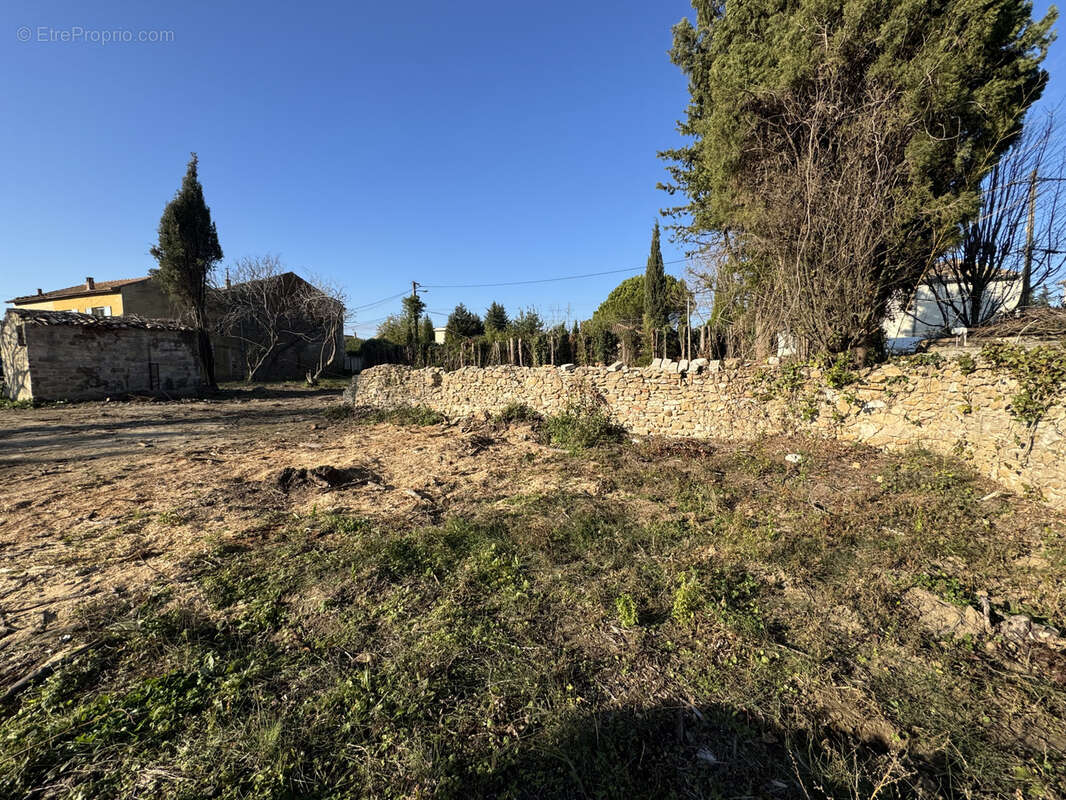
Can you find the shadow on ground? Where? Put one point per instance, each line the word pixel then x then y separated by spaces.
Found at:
pixel 709 751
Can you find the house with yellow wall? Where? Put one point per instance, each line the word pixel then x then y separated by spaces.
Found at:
pixel 139 297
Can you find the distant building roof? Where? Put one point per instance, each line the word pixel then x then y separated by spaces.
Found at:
pixel 89 288
pixel 36 317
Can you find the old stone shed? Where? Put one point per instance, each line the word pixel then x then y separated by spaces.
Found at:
pixel 61 355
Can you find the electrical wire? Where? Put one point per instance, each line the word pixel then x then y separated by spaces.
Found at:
pixel 541 280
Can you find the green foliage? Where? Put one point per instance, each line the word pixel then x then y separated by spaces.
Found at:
pixel 517 412
pixel 428 335
pixel 948 85
pixel 526 324
pixel 187 252
pixel 924 360
pixel 402 415
pixel 413 306
pixel 656 311
pixel 582 424
pixel 838 374
pixel 496 320
pixel 946 586
pixel 393 329
pixel 564 351
pixel 689 599
pixel 966 364
pixel 381 350
pixel 463 324
pixel 1040 373
pixel 626 607
pixel 6 402
pixel 625 303
pixel 986 73
pixel 188 247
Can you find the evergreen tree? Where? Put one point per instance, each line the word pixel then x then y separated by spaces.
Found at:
pixel 526 324
pixel 429 336
pixel 656 307
pixel 187 252
pixel 393 329
pixel 496 320
pixel 564 353
pixel 463 324
pixel 413 306
pixel 881 119
pixel 625 303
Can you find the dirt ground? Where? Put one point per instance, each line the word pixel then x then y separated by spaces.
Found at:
pixel 98 499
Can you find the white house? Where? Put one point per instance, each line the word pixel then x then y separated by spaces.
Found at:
pixel 930 311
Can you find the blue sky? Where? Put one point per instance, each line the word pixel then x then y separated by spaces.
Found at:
pixel 373 145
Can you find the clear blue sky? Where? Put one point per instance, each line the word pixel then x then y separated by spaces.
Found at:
pixel 448 143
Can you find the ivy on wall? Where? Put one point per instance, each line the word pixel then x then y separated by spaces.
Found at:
pixel 1041 376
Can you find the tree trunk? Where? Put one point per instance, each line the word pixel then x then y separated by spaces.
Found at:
pixel 977 298
pixel 207 357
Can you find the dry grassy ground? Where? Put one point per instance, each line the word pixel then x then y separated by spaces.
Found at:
pixel 265 597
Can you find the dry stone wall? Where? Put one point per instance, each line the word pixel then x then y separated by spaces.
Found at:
pixel 940 408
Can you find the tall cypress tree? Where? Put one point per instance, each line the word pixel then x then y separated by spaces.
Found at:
pixel 187 252
pixel 656 310
pixel 413 306
pixel 428 334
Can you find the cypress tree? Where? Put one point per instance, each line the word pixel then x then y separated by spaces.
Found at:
pixel 187 253
pixel 413 306
pixel 429 335
pixel 656 307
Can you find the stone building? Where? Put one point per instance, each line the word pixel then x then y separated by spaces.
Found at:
pixel 146 299
pixel 63 355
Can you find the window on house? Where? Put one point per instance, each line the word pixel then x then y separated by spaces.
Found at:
pixel 98 311
pixel 20 335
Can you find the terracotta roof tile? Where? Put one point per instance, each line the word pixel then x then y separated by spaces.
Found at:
pixel 101 287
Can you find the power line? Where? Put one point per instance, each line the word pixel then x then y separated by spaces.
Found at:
pixel 378 302
pixel 541 280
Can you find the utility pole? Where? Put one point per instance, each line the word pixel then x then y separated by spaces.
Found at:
pixel 1027 271
pixel 688 327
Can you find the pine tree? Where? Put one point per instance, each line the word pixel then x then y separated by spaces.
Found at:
pixel 656 306
pixel 496 320
pixel 464 324
pixel 187 252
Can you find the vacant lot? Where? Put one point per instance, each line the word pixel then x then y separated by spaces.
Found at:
pixel 263 596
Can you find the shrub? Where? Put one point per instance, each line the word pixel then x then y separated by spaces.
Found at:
pixel 517 412
pixel 688 598
pixel 582 424
pixel 401 415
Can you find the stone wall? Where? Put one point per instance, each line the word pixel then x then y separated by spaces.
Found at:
pixel 64 356
pixel 893 406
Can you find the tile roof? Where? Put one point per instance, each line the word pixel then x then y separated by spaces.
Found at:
pixel 100 287
pixel 37 317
